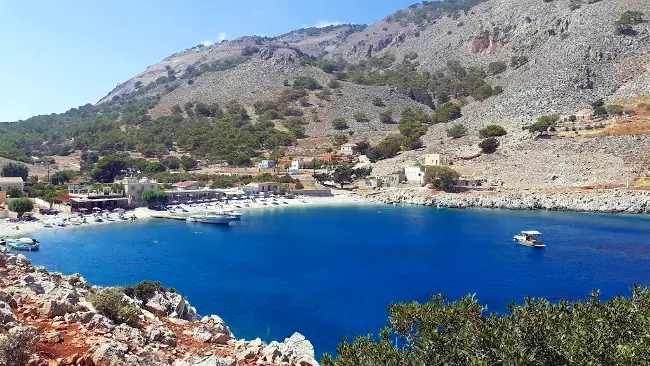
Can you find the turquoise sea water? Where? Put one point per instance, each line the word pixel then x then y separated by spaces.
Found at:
pixel 329 272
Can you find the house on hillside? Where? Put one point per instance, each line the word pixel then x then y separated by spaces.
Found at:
pixel 414 175
pixel 11 182
pixel 186 185
pixel 254 188
pixel 434 160
pixel 348 149
pixel 266 164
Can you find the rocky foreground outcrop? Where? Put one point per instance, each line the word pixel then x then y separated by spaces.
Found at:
pixel 604 201
pixel 71 331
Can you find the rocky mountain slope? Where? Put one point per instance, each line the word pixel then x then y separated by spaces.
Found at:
pixel 49 319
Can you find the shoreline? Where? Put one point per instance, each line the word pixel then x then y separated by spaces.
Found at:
pixel 7 229
pixel 610 201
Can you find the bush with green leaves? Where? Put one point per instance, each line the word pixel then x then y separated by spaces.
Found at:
pixel 496 67
pixel 111 303
pixel 15 170
pixel 456 131
pixel 333 84
pixel 377 102
pixel 305 83
pixel 447 112
pixel 533 333
pixel 17 346
pixel 21 205
pixel 361 116
pixel 440 177
pixel 626 22
pixel 339 124
pixel 615 109
pixel 544 123
pixel 385 149
pixel 386 116
pixel 492 131
pixel 143 290
pixel 489 145
pixel 339 139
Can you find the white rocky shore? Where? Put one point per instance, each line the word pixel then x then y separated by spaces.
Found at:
pixel 604 201
pixel 47 318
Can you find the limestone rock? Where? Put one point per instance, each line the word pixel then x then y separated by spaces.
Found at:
pixel 6 316
pixel 171 304
pixel 108 354
pixel 215 361
pixel 6 298
pixel 212 330
pixel 125 333
pixel 54 307
pixel 161 335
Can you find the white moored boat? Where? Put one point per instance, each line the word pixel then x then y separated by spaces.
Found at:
pixel 27 244
pixel 211 218
pixel 530 239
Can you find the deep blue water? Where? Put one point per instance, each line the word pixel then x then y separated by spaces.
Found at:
pixel 331 272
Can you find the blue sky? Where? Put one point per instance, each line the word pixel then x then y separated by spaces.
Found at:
pixel 61 54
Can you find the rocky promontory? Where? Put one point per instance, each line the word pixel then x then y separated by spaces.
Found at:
pixel 604 201
pixel 47 318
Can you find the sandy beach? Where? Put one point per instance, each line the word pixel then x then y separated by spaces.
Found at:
pixel 20 229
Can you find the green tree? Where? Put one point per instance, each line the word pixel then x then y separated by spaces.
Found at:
pixel 440 177
pixel 321 178
pixel 363 147
pixel 339 124
pixel 172 162
pixel 176 109
pixel 62 177
pixel 342 175
pixel 385 149
pixel 155 167
pixel 108 167
pixel 386 116
pixel 15 170
pixel 489 145
pixel 534 332
pixel 544 123
pixel 339 139
pixel 111 303
pixel 456 131
pixel 492 131
pixel 305 82
pixel 239 159
pixel 188 162
pixel 447 112
pixel 615 109
pixel 14 192
pixel 150 197
pixel 21 205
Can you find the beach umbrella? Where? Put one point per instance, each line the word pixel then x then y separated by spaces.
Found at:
pixel 175 202
pixel 96 209
pixel 83 209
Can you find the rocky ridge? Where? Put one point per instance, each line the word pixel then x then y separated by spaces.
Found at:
pixel 602 201
pixel 70 331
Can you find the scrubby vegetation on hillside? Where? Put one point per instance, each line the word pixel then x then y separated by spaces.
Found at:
pixel 443 332
pixel 431 89
pixel 429 11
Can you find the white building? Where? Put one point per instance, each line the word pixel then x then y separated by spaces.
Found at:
pixel 348 149
pixel 433 160
pixel 414 174
pixel 11 182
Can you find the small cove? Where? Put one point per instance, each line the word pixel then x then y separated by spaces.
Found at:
pixel 328 272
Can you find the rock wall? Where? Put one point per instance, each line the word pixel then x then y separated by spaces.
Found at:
pixel 605 201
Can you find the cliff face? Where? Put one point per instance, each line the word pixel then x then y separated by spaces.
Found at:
pixel 48 318
pixel 573 50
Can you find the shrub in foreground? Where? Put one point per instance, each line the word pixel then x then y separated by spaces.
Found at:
pixel 17 346
pixel 492 131
pixel 443 332
pixel 111 303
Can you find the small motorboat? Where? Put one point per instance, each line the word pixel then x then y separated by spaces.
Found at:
pixel 211 218
pixel 98 219
pixel 440 206
pixel 26 244
pixel 529 238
